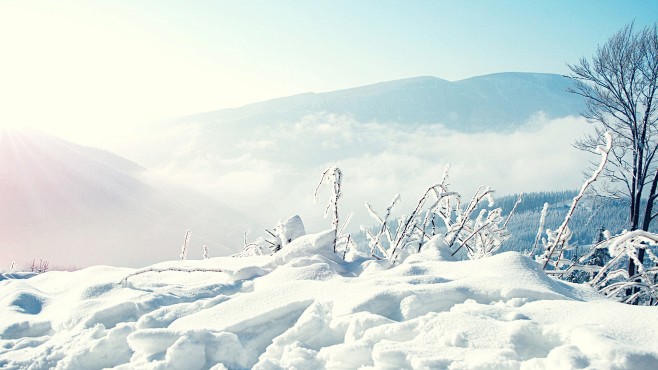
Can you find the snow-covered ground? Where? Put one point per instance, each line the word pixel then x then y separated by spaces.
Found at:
pixel 305 308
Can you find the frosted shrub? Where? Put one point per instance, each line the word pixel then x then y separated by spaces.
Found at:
pixel 258 247
pixel 40 267
pixel 485 240
pixel 555 243
pixel 613 279
pixel 440 209
pixel 278 237
pixel 438 214
pixel 608 274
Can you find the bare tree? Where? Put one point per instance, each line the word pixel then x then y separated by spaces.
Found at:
pixel 620 85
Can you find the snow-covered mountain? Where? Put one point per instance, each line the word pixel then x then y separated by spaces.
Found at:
pixel 74 205
pixel 494 103
pixel 500 130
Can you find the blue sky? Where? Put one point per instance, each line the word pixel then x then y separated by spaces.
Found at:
pixel 69 63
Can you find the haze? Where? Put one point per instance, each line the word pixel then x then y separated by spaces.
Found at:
pixel 92 71
pixel 112 75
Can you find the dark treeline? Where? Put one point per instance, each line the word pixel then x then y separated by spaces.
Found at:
pixel 591 214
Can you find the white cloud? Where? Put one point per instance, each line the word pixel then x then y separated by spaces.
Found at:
pixel 273 173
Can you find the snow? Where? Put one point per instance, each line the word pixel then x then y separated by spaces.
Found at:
pixel 293 228
pixel 306 308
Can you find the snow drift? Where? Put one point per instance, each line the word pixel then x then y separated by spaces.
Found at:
pixel 305 308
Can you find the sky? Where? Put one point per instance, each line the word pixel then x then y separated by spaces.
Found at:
pixel 94 69
pixel 102 73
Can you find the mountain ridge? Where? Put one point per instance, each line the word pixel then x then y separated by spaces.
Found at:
pixel 493 102
pixel 387 133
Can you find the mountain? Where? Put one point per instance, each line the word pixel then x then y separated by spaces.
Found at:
pixel 495 102
pixel 338 125
pixel 388 138
pixel 73 206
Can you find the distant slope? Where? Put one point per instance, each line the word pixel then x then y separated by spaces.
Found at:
pixel 496 102
pixel 74 205
pixel 591 214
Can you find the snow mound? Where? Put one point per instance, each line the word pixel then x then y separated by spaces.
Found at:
pixel 308 245
pixel 305 308
pixel 293 228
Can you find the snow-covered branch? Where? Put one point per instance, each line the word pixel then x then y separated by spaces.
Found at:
pixel 166 269
pixel 333 176
pixel 613 279
pixel 559 239
pixel 185 247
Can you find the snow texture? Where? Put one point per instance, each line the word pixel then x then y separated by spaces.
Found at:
pixel 305 308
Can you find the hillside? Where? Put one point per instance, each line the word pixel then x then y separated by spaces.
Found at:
pixel 75 206
pixel 592 214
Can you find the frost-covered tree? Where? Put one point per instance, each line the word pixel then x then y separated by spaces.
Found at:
pixel 599 256
pixel 620 85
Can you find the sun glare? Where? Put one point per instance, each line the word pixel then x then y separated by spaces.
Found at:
pixel 9 125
